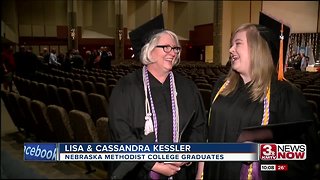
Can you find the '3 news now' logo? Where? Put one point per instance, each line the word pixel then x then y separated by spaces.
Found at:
pixel 283 151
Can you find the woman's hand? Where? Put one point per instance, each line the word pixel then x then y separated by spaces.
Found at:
pixel 199 175
pixel 168 169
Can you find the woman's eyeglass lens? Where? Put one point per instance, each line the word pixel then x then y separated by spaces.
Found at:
pixel 167 49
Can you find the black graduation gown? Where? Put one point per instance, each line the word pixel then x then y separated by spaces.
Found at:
pixel 230 114
pixel 127 119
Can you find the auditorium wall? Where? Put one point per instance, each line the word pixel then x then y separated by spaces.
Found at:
pixel 35 18
pixel 301 16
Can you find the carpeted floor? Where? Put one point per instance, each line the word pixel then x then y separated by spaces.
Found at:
pixel 14 167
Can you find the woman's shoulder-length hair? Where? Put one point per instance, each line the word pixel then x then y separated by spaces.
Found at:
pixel 153 42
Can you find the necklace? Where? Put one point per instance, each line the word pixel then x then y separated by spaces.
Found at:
pixel 151 124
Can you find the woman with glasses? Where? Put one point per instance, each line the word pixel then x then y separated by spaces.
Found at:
pixel 154 104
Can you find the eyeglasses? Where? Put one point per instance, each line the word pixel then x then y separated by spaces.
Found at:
pixel 167 49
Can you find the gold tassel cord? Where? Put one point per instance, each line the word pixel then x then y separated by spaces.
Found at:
pixel 280 70
pixel 250 172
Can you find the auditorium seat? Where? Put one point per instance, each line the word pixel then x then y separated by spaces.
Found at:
pixel 31 124
pixel 69 83
pixel 83 126
pixel 65 98
pixel 118 76
pixel 204 86
pixel 110 88
pixel 17 82
pixel 61 82
pixel 84 130
pixel 54 80
pixel 96 74
pixel 43 92
pixel 43 77
pixel 39 110
pixel 103 90
pixel 104 75
pixel 200 80
pixel 99 106
pixel 212 80
pixel 311 90
pixel 84 77
pixel 111 81
pixel 89 87
pixel 61 126
pixel 315 98
pixel 206 97
pixel 34 90
pixel 78 85
pixel 103 130
pixel 313 86
pixel 90 73
pixel 101 80
pixel 71 75
pixel 92 79
pixel 77 76
pixel 80 101
pixel 13 109
pixel 302 83
pixel 298 86
pixel 25 87
pixel 53 96
pixel 313 105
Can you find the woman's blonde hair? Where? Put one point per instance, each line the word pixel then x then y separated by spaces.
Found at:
pixel 262 67
pixel 153 42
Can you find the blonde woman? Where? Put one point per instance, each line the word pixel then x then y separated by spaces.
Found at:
pixel 251 95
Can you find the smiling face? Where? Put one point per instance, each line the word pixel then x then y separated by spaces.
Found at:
pixel 240 55
pixel 163 61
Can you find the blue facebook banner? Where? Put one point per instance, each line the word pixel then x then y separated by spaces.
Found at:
pixel 40 151
pixel 158 148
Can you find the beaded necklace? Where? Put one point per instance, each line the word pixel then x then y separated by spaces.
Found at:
pixel 151 124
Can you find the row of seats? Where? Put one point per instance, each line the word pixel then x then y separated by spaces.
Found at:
pixel 51 123
pixel 205 82
pixel 199 74
pixel 102 88
pixel 203 75
pixel 192 72
pixel 52 94
pixel 204 86
pixel 64 97
pixel 55 77
pixel 114 73
pixel 83 84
